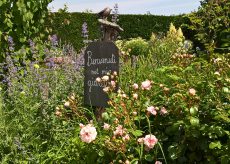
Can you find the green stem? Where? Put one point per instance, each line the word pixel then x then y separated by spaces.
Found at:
pixel 162 152
pixel 148 124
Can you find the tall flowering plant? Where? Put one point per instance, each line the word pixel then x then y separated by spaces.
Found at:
pixel 115 14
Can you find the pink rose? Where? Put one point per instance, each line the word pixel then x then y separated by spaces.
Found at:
pixel 126 137
pixel 119 130
pixel 135 96
pixel 135 86
pixel 146 85
pixel 106 126
pixel 81 125
pixel 113 84
pixel 163 110
pixel 115 73
pixel 150 141
pixel 127 162
pixel 98 79
pixel 152 110
pixel 106 89
pixel 105 78
pixel 192 91
pixel 88 133
pixel 158 162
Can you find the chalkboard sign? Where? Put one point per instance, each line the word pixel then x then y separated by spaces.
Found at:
pixel 100 58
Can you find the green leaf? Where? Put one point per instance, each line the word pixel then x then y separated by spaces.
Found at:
pixel 225 90
pixel 214 145
pixel 105 116
pixel 225 160
pixel 2 2
pixel 137 133
pixel 101 153
pixel 149 158
pixel 22 39
pixel 193 111
pixel 174 151
pixel 134 161
pixel 194 121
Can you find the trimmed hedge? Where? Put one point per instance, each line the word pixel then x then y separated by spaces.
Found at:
pixel 68 26
pixel 144 25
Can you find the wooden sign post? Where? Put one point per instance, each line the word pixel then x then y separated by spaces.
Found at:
pixel 100 58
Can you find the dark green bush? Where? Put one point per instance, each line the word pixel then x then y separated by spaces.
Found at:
pixel 210 25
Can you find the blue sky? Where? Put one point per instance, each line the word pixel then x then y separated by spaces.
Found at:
pixel 156 7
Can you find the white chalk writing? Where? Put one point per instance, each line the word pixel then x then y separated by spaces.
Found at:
pixel 98 61
pixel 93 83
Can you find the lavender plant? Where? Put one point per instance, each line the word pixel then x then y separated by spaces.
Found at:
pixel 33 92
pixel 115 14
pixel 85 33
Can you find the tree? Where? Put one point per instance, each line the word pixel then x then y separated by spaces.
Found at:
pixel 209 23
pixel 21 20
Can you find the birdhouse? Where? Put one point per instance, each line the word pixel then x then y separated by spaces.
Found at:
pixel 110 30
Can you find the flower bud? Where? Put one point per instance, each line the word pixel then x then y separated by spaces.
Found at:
pixel 192 91
pixel 105 78
pixel 134 113
pixel 106 89
pixel 166 89
pixel 135 96
pixel 98 79
pixel 115 73
pixel 67 104
pixel 72 97
pixel 58 113
pixel 135 86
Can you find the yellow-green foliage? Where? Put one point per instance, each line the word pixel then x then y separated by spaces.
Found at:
pixel 174 34
pixel 136 47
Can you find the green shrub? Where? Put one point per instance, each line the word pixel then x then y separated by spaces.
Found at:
pixel 136 47
pixel 194 93
pixel 164 48
pixel 210 25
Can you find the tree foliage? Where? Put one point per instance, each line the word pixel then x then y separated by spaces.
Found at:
pixel 211 24
pixel 21 20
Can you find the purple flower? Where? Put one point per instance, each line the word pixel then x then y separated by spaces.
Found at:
pixel 79 62
pixel 11 43
pixel 32 46
pixel 54 40
pixel 115 13
pixel 31 43
pixel 85 32
pixel 50 63
pixel 10 40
